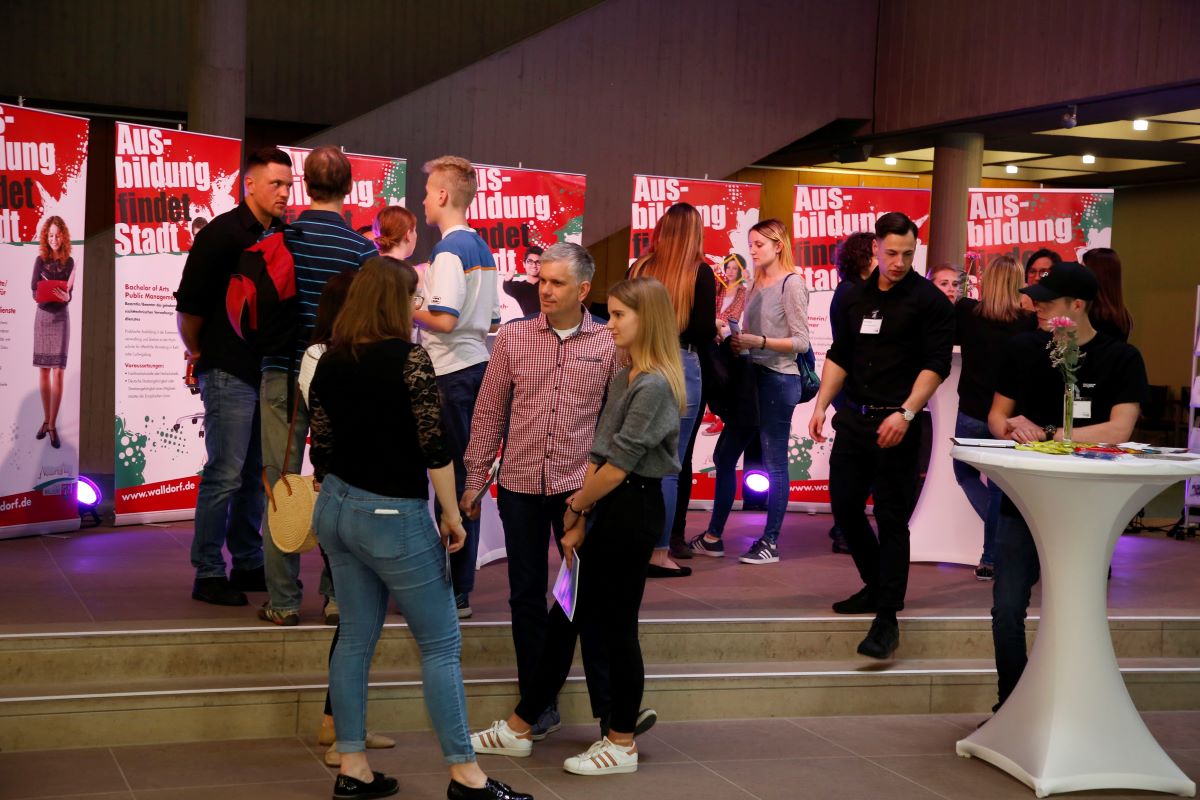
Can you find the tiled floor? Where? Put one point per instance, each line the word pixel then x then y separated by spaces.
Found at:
pixel 140 577
pixel 827 758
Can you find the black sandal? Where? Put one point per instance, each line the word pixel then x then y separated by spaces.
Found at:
pixel 54 442
pixel 41 434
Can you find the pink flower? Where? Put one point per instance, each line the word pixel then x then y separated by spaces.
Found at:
pixel 1058 323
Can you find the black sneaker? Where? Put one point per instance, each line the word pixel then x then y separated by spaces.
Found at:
pixel 218 592
pixel 761 552
pixel 840 545
pixel 645 721
pixel 985 572
pixel 861 602
pixel 248 580
pixel 492 790
pixel 704 547
pixel 882 640
pixel 462 605
pixel 549 722
pixel 381 786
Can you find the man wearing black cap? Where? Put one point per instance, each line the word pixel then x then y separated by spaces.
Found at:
pixel 1028 407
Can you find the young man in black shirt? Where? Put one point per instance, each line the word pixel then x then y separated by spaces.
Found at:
pixel 230 501
pixel 892 337
pixel 1028 407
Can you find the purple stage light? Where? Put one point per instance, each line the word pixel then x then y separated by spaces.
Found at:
pixel 757 481
pixel 87 492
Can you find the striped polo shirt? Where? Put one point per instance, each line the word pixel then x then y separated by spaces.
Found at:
pixel 322 245
pixel 461 281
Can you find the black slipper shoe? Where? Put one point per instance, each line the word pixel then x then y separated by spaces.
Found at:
pixel 347 788
pixel 655 571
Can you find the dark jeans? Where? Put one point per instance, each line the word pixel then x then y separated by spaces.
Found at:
pixel 622 533
pixel 529 520
pixel 860 468
pixel 230 501
pixel 1017 570
pixel 683 492
pixel 984 498
pixel 459 390
pixel 778 396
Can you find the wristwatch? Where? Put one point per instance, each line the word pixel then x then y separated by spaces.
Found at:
pixel 909 416
pixel 1050 430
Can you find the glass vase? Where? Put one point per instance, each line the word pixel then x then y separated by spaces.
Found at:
pixel 1068 412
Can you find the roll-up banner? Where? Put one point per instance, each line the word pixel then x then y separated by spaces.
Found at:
pixel 377 182
pixel 43 182
pixel 170 183
pixel 515 209
pixel 822 218
pixel 1019 221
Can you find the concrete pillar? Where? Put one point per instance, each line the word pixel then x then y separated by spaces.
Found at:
pixel 957 166
pixel 217 83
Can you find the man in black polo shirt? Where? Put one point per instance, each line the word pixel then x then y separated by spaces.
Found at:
pixel 230 501
pixel 1028 407
pixel 892 337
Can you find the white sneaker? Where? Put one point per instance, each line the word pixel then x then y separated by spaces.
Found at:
pixel 603 758
pixel 501 740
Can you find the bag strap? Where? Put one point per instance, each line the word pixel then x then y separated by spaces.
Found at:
pixel 287 454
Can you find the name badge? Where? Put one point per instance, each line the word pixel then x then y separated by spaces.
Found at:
pixel 872 326
pixel 1082 409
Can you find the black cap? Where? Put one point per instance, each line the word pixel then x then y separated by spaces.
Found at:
pixel 1067 279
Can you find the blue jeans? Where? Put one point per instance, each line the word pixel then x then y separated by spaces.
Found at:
pixel 778 395
pixel 379 546
pixel 459 390
pixel 1017 570
pixel 687 423
pixel 985 499
pixel 230 501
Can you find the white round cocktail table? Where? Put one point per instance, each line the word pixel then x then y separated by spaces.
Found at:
pixel 1069 725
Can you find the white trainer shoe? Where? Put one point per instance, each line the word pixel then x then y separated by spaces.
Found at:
pixel 603 758
pixel 501 740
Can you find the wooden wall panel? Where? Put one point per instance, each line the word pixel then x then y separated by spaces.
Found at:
pixel 944 60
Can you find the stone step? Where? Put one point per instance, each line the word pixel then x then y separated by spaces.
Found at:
pixel 78 659
pixel 52 716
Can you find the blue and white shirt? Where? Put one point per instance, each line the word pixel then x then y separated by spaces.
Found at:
pixel 461 280
pixel 322 246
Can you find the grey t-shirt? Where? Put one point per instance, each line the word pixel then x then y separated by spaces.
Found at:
pixel 639 426
pixel 780 311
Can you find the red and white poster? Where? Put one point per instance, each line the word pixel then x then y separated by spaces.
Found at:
pixel 728 210
pixel 1019 221
pixel 515 209
pixel 378 182
pixel 43 182
pixel 170 183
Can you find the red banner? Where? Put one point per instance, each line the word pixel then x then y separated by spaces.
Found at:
pixel 378 182
pixel 1019 221
pixel 517 208
pixel 728 210
pixel 43 182
pixel 170 183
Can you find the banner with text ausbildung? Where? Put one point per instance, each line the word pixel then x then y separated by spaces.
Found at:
pixel 377 182
pixel 43 183
pixel 170 184
pixel 728 210
pixel 1019 221
pixel 515 209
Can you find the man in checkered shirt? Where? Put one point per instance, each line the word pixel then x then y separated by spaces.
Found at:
pixel 541 397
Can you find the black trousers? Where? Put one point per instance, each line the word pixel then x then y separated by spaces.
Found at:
pixel 529 521
pixel 859 468
pixel 622 533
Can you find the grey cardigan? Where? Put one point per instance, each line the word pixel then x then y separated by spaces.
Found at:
pixel 779 311
pixel 638 430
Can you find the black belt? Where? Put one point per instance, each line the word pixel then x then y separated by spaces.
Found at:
pixel 872 411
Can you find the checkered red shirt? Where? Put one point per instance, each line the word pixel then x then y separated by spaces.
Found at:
pixel 547 394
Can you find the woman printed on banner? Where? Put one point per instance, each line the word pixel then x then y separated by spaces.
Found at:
pixel 53 284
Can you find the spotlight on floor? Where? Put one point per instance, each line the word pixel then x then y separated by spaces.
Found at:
pixel 88 496
pixel 755 486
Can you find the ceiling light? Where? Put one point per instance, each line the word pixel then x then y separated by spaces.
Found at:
pixel 1089 159
pixel 1141 124
pixel 1011 169
pixel 890 161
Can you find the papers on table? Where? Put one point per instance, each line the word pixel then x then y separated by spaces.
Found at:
pixel 566 586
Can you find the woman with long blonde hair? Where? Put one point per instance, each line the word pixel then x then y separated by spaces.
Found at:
pixel 775 329
pixel 377 445
pixel 676 260
pixel 981 328
pixel 612 525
